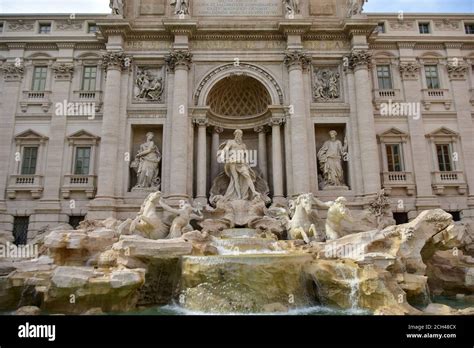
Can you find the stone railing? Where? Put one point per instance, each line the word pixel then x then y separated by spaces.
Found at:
pixel 79 183
pixel 89 97
pixel 398 180
pixel 386 95
pixel 442 180
pixel 40 99
pixel 25 183
pixel 433 96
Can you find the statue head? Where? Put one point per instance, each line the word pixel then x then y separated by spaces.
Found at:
pixel 150 136
pixel 333 134
pixel 238 134
pixel 341 200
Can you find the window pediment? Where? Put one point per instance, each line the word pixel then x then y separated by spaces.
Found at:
pixel 443 134
pixel 83 137
pixel 393 134
pixel 30 136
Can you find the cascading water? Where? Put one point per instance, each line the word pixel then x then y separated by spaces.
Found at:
pixel 250 275
pixel 351 278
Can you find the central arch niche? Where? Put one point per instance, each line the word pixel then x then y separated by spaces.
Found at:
pixel 238 96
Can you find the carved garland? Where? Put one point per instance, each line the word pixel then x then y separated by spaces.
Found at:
pixel 216 71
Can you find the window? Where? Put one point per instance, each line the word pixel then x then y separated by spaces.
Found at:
pixel 92 28
pixel 28 163
pixel 82 160
pixel 45 28
pixel 1 27
pixel 39 78
pixel 74 221
pixel 380 28
pixel 432 79
pixel 456 215
pixel 20 229
pixel 384 76
pixel 394 157
pixel 443 152
pixel 469 28
pixel 400 218
pixel 89 78
pixel 424 28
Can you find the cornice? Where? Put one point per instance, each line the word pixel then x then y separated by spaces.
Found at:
pixel 294 27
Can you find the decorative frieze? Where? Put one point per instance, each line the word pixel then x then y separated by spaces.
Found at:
pixel 68 25
pixel 409 70
pixel 20 25
pixel 13 71
pixel 402 25
pixel 63 71
pixel 149 84
pixel 116 60
pixel 446 24
pixel 297 58
pixel 457 69
pixel 326 84
pixel 179 58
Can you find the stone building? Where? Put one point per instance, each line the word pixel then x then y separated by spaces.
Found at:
pixel 79 95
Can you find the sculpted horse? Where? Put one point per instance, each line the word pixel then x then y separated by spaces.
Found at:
pixel 148 224
pixel 301 225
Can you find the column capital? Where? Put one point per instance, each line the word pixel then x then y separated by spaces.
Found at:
pixel 200 121
pixel 218 130
pixel 358 58
pixel 63 71
pixel 179 58
pixel 116 60
pixel 276 121
pixel 457 69
pixel 261 129
pixel 297 59
pixel 409 70
pixel 13 71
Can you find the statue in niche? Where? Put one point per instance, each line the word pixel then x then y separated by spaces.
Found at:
pixel 326 85
pixel 292 7
pixel 355 7
pixel 238 177
pixel 337 213
pixel 182 222
pixel 330 157
pixel 149 87
pixel 147 165
pixel 181 7
pixel 117 7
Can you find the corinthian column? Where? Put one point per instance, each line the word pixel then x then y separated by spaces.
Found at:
pixel 359 61
pixel 296 61
pixel 179 62
pixel 201 161
pixel 114 63
pixel 277 163
pixel 216 131
pixel 262 150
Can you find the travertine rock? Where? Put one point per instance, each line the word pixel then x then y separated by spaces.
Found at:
pixel 142 248
pixel 28 310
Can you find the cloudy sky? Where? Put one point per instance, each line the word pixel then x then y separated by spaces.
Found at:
pixel 102 6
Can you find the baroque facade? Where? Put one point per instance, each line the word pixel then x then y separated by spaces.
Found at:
pixel 99 110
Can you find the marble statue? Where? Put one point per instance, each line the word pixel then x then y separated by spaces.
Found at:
pixel 182 222
pixel 302 222
pixel 330 157
pixel 337 213
pixel 292 7
pixel 117 7
pixel 147 223
pixel 147 164
pixel 326 85
pixel 241 178
pixel 181 7
pixel 149 87
pixel 355 7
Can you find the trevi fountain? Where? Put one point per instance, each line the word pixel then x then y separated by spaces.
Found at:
pixel 243 254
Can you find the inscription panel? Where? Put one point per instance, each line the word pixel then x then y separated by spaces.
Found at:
pixel 238 8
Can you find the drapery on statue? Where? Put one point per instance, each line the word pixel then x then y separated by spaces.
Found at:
pixel 236 166
pixel 336 214
pixel 292 7
pixel 181 7
pixel 182 222
pixel 330 156
pixel 117 7
pixel 147 164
